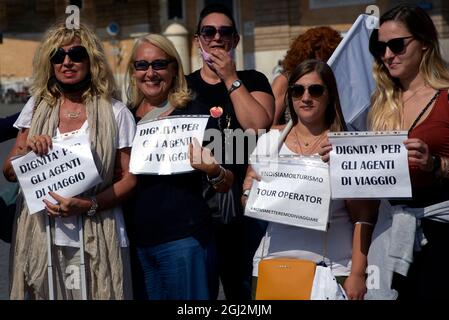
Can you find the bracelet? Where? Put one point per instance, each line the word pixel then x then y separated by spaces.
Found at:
pixel 444 168
pixel 217 180
pixel 436 164
pixel 246 193
pixel 364 222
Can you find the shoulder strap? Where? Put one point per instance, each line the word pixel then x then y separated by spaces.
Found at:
pixel 156 112
pixel 423 111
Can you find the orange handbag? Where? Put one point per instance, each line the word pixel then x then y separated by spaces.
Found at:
pixel 285 279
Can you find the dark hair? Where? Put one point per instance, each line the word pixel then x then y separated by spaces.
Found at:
pixel 215 8
pixel 334 115
pixel 417 22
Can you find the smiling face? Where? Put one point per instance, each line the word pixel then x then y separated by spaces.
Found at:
pixel 311 110
pixel 224 42
pixel 70 72
pixel 405 64
pixel 155 85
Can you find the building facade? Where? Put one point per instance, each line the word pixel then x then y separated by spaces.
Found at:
pixel 266 27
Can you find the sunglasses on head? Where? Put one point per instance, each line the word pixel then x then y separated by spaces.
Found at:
pixel 76 54
pixel 209 32
pixel 298 90
pixel 159 64
pixel 396 45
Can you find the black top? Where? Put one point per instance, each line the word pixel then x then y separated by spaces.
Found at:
pixel 216 95
pixel 169 207
pixel 7 131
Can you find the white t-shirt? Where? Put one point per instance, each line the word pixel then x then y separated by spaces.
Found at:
pixel 295 242
pixel 67 228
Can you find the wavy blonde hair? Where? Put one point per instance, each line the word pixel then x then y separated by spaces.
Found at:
pixel 386 104
pixel 179 95
pixel 102 83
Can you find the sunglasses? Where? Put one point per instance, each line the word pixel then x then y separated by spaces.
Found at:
pixel 209 32
pixel 76 54
pixel 159 64
pixel 315 90
pixel 396 45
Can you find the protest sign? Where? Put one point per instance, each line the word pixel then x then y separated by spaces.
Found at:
pixel 369 165
pixel 293 190
pixel 161 146
pixel 68 170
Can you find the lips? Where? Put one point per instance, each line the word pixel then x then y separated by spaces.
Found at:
pixel 69 72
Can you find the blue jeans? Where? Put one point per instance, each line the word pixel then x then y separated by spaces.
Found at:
pixel 175 270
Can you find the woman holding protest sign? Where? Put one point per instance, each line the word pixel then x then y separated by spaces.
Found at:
pixel 72 95
pixel 314 103
pixel 172 229
pixel 412 82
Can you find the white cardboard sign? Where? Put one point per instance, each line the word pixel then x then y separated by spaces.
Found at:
pixel 161 146
pixel 68 170
pixel 369 165
pixel 293 191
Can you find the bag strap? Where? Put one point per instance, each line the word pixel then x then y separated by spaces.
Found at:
pixel 423 111
pixel 281 139
pixel 156 112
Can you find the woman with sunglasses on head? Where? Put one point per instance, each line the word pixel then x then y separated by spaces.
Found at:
pixel 411 94
pixel 238 100
pixel 72 93
pixel 169 217
pixel 313 101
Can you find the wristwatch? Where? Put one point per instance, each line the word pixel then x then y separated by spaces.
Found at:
pixel 235 85
pixel 93 207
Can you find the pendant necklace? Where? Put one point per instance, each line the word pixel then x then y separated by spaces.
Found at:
pixel 311 145
pixel 73 114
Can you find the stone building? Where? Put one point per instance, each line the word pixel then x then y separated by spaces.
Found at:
pixel 266 27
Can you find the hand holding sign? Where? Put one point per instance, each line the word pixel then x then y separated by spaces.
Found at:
pixel 40 144
pixel 418 154
pixel 202 159
pixel 251 176
pixel 66 207
pixel 325 149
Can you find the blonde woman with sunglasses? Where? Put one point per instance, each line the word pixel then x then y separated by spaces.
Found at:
pixel 412 82
pixel 72 93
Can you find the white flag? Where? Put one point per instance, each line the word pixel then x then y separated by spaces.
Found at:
pixel 352 66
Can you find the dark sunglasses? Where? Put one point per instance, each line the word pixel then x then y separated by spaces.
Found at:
pixel 396 45
pixel 159 64
pixel 315 90
pixel 209 32
pixel 76 54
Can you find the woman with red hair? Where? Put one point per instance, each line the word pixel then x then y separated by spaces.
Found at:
pixel 316 43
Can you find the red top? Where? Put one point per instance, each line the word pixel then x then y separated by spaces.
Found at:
pixel 434 131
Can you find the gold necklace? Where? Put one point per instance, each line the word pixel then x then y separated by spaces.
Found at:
pixel 311 145
pixel 413 94
pixel 73 114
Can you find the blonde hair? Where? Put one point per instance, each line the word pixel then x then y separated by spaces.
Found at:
pixel 102 83
pixel 386 105
pixel 179 95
